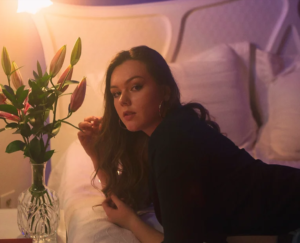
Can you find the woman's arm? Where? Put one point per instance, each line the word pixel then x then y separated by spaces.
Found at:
pixel 88 137
pixel 125 217
pixel 145 233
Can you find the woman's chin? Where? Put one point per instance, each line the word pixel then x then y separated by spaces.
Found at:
pixel 131 128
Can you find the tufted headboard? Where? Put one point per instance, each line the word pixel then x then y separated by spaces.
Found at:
pixel 178 29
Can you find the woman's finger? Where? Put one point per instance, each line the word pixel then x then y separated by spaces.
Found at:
pixel 116 200
pixel 93 119
pixel 85 124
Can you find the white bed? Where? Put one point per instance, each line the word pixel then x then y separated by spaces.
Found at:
pixel 240 58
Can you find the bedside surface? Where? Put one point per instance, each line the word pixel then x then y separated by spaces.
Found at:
pixel 9 227
pixel 8 224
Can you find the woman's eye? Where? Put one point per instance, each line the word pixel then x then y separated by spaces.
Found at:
pixel 137 87
pixel 116 94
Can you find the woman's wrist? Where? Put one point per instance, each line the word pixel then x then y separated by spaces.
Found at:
pixel 144 232
pixel 133 222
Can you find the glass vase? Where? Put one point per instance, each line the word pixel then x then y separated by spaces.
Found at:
pixel 38 207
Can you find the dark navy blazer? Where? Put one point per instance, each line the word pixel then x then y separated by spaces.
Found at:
pixel 204 188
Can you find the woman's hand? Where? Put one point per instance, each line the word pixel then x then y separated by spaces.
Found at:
pixel 118 212
pixel 89 135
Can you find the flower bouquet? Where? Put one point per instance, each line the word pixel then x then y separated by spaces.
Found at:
pixel 27 111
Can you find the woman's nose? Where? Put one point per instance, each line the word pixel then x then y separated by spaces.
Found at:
pixel 124 99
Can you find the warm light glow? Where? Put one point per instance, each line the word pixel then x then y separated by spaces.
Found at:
pixel 32 6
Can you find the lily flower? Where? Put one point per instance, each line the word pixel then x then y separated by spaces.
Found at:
pixel 16 76
pixel 9 116
pixel 57 61
pixel 67 75
pixel 78 96
pixel 5 61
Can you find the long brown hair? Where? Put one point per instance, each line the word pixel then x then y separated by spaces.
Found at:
pixel 123 155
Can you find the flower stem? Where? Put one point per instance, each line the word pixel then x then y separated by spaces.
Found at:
pixel 66 117
pixel 71 125
pixel 54 116
pixel 8 78
pixel 52 83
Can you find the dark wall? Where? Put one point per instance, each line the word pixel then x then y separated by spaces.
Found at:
pixel 106 2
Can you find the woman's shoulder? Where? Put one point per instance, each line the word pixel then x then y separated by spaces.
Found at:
pixel 183 126
pixel 175 123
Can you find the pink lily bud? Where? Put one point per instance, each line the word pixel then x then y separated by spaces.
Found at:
pixel 9 116
pixel 26 104
pixel 2 97
pixel 57 61
pixel 16 76
pixel 78 96
pixel 5 61
pixel 67 75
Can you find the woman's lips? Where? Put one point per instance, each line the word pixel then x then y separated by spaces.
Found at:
pixel 129 116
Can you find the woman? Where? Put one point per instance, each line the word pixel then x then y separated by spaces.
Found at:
pixel 203 187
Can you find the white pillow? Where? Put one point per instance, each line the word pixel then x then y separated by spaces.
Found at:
pixel 218 80
pixel 280 136
pixel 275 83
pixel 266 67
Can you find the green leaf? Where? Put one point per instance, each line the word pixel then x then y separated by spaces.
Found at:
pixel 17 131
pixel 16 70
pixel 9 96
pixel 39 69
pixel 35 75
pixel 65 94
pixel 26 151
pixel 46 114
pixel 14 146
pixel 56 129
pixel 25 130
pixel 9 89
pixel 9 109
pixel 35 148
pixel 20 90
pixel 42 144
pixel 34 112
pixel 35 89
pixel 33 99
pixel 45 80
pixel 36 130
pixel 48 155
pixel 21 95
pixel 12 125
pixel 50 100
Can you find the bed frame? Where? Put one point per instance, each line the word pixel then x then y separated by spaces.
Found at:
pixel 178 29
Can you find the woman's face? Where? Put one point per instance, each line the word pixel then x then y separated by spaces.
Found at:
pixel 136 96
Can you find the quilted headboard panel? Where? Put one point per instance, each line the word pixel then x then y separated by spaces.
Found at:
pixel 178 29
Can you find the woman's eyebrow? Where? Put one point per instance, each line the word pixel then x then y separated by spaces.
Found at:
pixel 127 81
